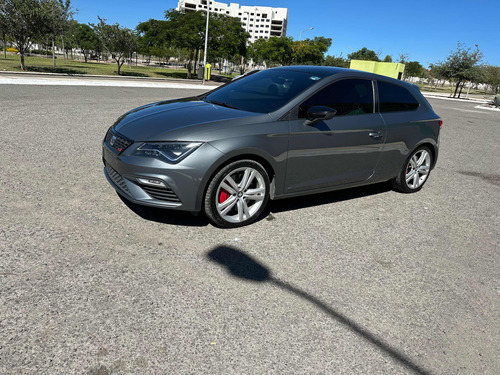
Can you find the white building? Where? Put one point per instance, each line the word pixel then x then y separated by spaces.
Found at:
pixel 259 22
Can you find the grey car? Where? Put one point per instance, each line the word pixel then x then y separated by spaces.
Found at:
pixel 275 134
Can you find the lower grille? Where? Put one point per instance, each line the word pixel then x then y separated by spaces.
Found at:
pixel 161 193
pixel 117 179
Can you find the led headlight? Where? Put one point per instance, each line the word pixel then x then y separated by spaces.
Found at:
pixel 171 152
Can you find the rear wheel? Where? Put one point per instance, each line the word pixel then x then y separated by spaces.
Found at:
pixel 237 194
pixel 415 171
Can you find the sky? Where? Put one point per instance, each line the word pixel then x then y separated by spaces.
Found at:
pixel 426 30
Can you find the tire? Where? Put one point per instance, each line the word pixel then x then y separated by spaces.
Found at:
pixel 415 171
pixel 237 194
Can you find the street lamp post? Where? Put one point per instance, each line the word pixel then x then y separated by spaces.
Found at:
pixel 206 44
pixel 300 35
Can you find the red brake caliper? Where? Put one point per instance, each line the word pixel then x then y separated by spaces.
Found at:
pixel 223 195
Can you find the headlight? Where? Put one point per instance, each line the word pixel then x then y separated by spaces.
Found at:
pixel 171 152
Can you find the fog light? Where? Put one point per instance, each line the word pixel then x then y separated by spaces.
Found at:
pixel 152 182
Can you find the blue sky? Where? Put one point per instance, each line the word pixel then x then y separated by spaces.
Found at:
pixel 426 30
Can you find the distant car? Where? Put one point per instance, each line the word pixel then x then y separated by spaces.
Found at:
pixel 281 133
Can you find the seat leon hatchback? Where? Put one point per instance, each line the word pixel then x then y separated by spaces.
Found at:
pixel 274 134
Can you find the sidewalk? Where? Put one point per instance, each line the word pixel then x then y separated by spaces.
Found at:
pixel 441 95
pixel 55 79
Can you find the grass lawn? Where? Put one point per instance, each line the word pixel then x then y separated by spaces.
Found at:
pixel 43 64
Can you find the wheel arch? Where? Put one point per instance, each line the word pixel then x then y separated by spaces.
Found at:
pixel 266 163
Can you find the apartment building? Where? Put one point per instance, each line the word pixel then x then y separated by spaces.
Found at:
pixel 260 22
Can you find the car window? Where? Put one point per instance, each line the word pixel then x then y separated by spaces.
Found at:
pixel 348 97
pixel 265 91
pixel 394 98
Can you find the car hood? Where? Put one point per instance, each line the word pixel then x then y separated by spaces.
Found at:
pixel 174 119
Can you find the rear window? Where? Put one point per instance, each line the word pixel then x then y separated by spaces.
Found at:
pixel 265 91
pixel 394 98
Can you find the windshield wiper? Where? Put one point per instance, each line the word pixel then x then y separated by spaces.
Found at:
pixel 222 104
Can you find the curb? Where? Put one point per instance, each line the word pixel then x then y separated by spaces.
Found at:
pixel 463 100
pixel 108 77
pixel 487 108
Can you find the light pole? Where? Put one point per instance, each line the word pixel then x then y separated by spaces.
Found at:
pixel 206 43
pixel 300 35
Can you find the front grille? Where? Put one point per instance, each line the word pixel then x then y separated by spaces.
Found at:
pixel 161 193
pixel 116 141
pixel 117 178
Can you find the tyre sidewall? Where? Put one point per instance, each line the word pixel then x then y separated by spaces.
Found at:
pixel 210 200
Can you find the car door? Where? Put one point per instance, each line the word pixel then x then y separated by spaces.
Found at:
pixel 339 151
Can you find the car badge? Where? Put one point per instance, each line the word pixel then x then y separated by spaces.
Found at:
pixel 112 140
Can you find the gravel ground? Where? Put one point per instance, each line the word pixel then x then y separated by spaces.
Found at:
pixel 364 281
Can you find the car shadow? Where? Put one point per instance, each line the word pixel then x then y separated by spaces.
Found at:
pixel 312 200
pixel 242 266
pixel 175 217
pixel 160 215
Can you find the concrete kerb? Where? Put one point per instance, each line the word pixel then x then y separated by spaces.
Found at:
pixel 54 79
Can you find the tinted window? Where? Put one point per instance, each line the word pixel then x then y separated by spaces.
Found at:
pixel 348 97
pixel 394 98
pixel 265 91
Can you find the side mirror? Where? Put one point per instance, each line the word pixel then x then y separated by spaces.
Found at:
pixel 319 113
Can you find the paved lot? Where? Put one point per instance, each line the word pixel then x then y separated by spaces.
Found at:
pixel 366 281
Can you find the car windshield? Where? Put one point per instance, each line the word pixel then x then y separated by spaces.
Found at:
pixel 263 92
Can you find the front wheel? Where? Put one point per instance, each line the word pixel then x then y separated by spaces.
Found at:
pixel 237 194
pixel 415 171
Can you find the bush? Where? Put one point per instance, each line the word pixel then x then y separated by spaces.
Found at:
pixel 12 49
pixel 41 52
pixel 496 101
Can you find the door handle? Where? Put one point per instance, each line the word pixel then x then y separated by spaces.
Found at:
pixel 375 135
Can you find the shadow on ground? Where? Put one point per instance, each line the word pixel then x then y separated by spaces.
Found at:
pixel 132 74
pixel 51 69
pixel 160 215
pixel 313 200
pixel 177 75
pixel 188 219
pixel 242 266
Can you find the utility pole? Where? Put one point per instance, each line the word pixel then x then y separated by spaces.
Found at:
pixel 206 43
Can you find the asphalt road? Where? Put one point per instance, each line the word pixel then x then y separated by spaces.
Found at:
pixel 365 281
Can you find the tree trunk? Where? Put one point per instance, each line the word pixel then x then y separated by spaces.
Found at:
pixel 64 50
pixel 461 88
pixel 456 89
pixel 23 67
pixel 120 64
pixel 4 45
pixel 190 66
pixel 85 55
pixel 53 53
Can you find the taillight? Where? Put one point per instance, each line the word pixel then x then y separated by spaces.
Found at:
pixel 440 124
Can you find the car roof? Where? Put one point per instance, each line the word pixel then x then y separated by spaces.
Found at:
pixel 330 71
pixel 313 69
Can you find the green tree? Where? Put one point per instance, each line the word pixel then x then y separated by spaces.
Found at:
pixel 388 58
pixel 228 40
pixel 273 51
pixel 3 29
pixel 337 61
pixel 414 69
pixel 86 39
pixel 310 51
pixel 152 38
pixel 461 66
pixel 187 30
pixel 119 41
pixel 364 54
pixel 492 77
pixel 57 14
pixel 25 20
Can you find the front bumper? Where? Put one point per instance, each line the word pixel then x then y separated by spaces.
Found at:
pixel 181 185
